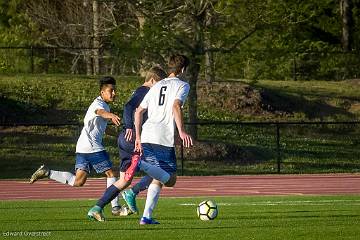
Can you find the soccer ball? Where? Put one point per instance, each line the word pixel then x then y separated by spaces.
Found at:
pixel 207 210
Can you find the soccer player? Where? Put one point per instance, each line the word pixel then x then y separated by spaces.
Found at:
pixel 126 137
pixel 126 150
pixel 90 152
pixel 164 108
pixel 155 139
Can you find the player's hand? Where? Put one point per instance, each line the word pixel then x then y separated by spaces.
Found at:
pixel 186 139
pixel 129 134
pixel 115 119
pixel 138 147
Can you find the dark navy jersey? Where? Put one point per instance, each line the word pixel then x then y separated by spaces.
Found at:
pixel 132 104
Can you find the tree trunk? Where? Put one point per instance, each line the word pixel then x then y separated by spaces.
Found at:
pixel 141 20
pixel 87 56
pixel 347 22
pixel 193 73
pixel 96 38
pixel 209 56
pixel 209 67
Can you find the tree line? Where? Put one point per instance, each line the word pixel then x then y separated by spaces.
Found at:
pixel 224 38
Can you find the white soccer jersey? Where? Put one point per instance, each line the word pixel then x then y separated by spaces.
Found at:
pixel 90 139
pixel 160 126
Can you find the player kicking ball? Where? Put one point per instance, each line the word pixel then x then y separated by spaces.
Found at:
pixel 155 138
pixel 90 152
pixel 126 139
pixel 129 159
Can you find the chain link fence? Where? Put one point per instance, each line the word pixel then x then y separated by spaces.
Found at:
pixel 222 148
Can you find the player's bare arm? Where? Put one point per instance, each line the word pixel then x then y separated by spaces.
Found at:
pixel 138 120
pixel 108 115
pixel 179 120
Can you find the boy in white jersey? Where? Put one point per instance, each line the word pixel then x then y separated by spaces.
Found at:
pixel 164 107
pixel 155 139
pixel 90 152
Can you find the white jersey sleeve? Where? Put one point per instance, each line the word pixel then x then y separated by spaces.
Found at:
pixel 183 93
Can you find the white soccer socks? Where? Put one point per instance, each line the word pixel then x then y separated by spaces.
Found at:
pixel 63 177
pixel 152 198
pixel 110 181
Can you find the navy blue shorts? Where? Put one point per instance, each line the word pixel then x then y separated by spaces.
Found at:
pixel 160 156
pixel 99 161
pixel 125 151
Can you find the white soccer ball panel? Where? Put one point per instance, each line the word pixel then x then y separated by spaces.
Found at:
pixel 203 209
pixel 211 204
pixel 207 210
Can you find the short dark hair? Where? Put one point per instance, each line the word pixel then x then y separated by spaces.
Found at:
pixel 106 80
pixel 177 62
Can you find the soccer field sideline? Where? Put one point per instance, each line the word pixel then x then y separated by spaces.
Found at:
pixel 192 186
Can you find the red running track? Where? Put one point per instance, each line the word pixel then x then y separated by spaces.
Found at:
pixel 338 184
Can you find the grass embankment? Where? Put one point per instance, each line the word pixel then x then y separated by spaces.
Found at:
pixel 304 149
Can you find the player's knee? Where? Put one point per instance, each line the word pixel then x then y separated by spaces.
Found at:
pixel 171 181
pixel 79 182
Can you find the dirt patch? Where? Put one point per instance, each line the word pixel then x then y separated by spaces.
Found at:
pixel 243 100
pixel 230 96
pixel 355 82
pixel 355 107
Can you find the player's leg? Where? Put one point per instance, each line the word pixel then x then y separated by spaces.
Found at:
pixel 110 180
pixel 101 163
pixel 142 185
pixel 126 149
pixel 152 198
pixel 65 177
pixel 154 171
pixel 164 158
pixel 80 177
pixel 129 195
pixel 122 210
pixel 109 194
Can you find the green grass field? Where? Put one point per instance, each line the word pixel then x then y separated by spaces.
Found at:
pixel 285 217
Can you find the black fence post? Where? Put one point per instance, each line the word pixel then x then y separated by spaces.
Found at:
pixel 278 147
pixel 32 59
pixel 294 69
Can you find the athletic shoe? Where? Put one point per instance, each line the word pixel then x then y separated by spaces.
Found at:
pixel 145 220
pixel 96 214
pixel 42 172
pixel 130 172
pixel 129 197
pixel 121 211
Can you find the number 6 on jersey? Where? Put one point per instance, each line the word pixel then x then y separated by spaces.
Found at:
pixel 162 95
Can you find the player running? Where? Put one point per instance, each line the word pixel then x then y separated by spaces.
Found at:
pixel 126 140
pixel 90 152
pixel 155 139
pixel 163 103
